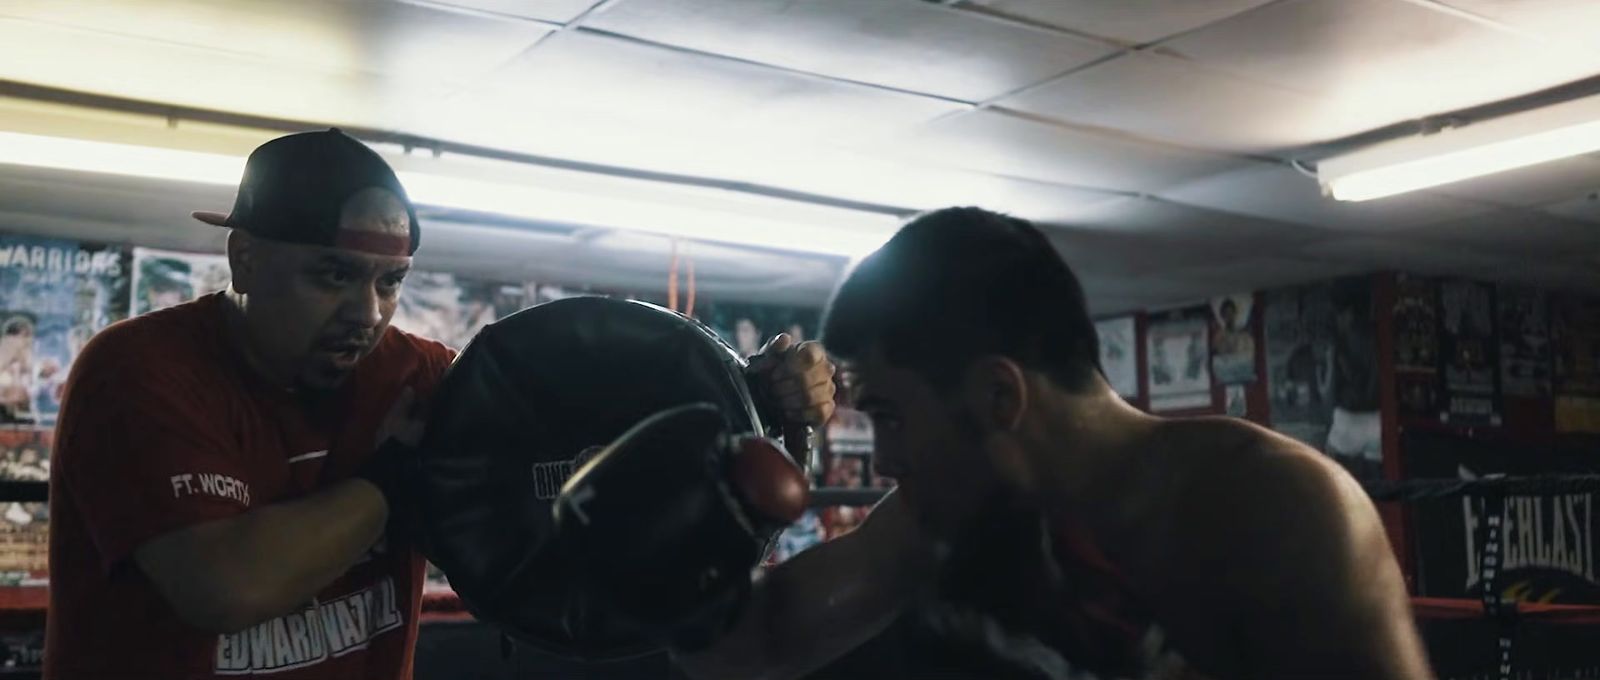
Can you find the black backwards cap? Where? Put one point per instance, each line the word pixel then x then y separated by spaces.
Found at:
pixel 301 187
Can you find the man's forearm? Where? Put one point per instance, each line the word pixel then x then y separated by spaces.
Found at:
pixel 237 572
pixel 823 602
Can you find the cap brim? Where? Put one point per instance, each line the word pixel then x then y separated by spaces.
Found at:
pixel 214 219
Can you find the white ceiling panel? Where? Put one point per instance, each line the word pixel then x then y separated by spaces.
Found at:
pixel 1394 60
pixel 1257 273
pixel 653 91
pixel 1586 208
pixel 1150 291
pixel 109 210
pixel 1013 146
pixel 1280 193
pixel 120 66
pixel 1410 255
pixel 411 45
pixel 1131 257
pixel 1158 96
pixel 1127 21
pixel 907 45
pixel 1534 236
pixel 559 11
pixel 1572 21
pixel 1536 185
pixel 1166 224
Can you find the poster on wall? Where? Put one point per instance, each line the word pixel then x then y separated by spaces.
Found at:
pixel 1416 346
pixel 1233 348
pixel 452 309
pixel 848 471
pixel 1524 330
pixel 747 327
pixel 54 295
pixel 1575 333
pixel 849 433
pixel 24 540
pixel 1322 371
pixel 1238 404
pixel 1117 356
pixel 1177 348
pixel 1468 348
pixel 163 278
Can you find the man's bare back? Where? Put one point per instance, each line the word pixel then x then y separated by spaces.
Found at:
pixel 1042 526
pixel 1225 526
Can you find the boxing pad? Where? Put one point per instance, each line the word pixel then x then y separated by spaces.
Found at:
pixel 666 524
pixel 530 399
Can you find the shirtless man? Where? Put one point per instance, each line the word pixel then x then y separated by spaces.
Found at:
pixel 1042 527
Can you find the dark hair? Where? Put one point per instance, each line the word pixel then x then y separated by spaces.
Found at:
pixel 960 283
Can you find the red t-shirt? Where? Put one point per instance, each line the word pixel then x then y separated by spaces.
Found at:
pixel 163 427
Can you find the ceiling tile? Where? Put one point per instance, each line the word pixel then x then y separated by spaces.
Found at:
pixel 559 11
pixel 407 43
pixel 907 45
pixel 1013 146
pixel 1567 20
pixel 1158 96
pixel 1528 234
pixel 1409 255
pixel 1280 193
pixel 1536 185
pixel 1128 257
pixel 1128 21
pixel 76 60
pixel 610 83
pixel 1380 58
pixel 1166 224
pixel 1151 290
pixel 1586 208
pixel 1261 273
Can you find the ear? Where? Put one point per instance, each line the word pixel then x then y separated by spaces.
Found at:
pixel 242 260
pixel 995 390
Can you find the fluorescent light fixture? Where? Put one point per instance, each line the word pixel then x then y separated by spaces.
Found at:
pixel 84 155
pixel 1483 148
pixel 771 225
pixel 750 220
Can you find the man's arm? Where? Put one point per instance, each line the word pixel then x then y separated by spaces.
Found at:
pixel 1322 595
pixel 825 601
pixel 229 574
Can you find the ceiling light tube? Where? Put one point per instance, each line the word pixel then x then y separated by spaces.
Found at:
pixel 758 222
pixel 1496 145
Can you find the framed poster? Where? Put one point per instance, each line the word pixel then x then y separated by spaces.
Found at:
pixel 1470 353
pixel 1524 330
pixel 1177 347
pixel 1233 347
pixel 1117 355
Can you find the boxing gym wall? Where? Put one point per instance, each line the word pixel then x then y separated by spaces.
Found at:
pixel 1411 382
pixel 1398 377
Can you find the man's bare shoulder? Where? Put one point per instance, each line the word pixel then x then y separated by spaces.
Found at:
pixel 1294 546
pixel 1242 456
pixel 1244 485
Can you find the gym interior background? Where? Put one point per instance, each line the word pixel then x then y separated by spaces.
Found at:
pixel 1319 215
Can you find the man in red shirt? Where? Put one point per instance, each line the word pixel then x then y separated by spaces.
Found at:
pixel 216 505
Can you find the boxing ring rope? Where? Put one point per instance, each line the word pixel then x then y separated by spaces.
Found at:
pixel 16 491
pixel 443 605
